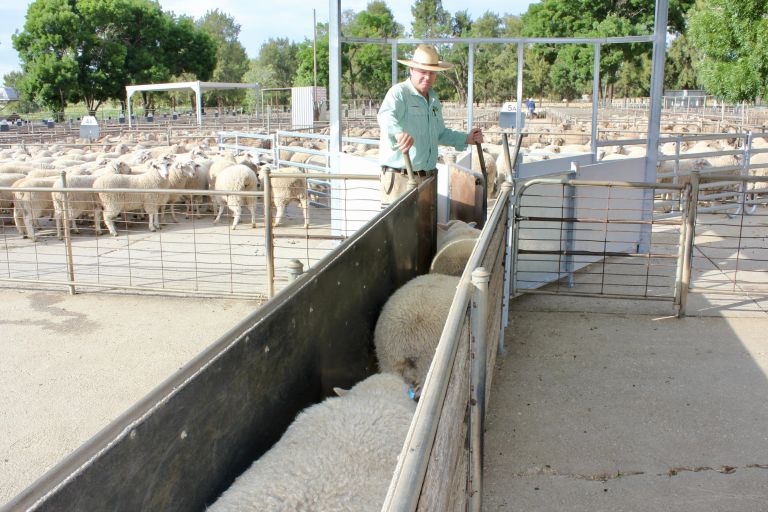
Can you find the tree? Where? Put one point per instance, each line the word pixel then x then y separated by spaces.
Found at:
pixel 279 55
pixel 368 65
pixel 730 37
pixel 89 50
pixel 231 58
pixel 598 19
pixel 430 19
pixel 679 72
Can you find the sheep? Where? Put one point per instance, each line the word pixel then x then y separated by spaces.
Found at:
pixel 286 190
pixel 219 164
pixel 115 202
pixel 410 324
pixel 181 172
pixel 453 230
pixel 6 196
pixel 337 455
pixel 32 205
pixel 490 170
pixel 16 168
pixel 237 177
pixel 81 202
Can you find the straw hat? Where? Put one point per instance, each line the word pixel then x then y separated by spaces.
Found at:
pixel 425 57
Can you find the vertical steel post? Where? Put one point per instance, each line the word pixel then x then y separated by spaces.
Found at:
pixel 654 117
pixel 269 249
pixel 690 230
pixel 394 62
pixel 686 199
pixel 295 269
pixel 595 96
pixel 506 188
pixel 334 83
pixel 470 85
pixel 519 118
pixel 478 351
pixel 67 238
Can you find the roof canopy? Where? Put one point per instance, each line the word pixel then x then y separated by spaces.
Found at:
pixel 8 94
pixel 197 87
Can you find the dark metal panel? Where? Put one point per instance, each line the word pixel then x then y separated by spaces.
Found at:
pixel 183 444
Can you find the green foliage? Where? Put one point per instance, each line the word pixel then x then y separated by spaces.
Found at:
pixel 89 50
pixel 280 57
pixel 731 39
pixel 430 19
pixel 231 59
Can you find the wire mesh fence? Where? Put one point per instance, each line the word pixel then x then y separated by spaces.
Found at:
pixel 191 254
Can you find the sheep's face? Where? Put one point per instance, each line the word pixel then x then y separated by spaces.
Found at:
pixel 141 157
pixel 188 169
pixel 121 167
pixel 162 166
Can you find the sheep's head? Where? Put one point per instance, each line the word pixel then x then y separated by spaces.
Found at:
pixel 162 166
pixel 141 156
pixel 120 167
pixel 188 168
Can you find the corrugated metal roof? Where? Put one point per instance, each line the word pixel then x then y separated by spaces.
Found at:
pixel 8 94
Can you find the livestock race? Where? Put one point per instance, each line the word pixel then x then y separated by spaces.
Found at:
pixel 315 237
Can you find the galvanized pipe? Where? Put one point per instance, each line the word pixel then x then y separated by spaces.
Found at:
pixel 690 229
pixel 269 248
pixel 678 297
pixel 478 350
pixel 67 237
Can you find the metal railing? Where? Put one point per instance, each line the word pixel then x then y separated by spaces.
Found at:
pixel 435 470
pixel 191 257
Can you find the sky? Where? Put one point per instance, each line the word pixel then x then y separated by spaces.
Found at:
pixel 292 19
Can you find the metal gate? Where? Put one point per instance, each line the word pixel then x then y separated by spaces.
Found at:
pixel 582 238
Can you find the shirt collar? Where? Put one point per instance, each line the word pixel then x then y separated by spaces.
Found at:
pixel 413 90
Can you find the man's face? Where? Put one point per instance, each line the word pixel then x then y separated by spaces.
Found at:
pixel 423 80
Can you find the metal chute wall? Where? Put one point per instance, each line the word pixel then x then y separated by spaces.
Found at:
pixel 183 444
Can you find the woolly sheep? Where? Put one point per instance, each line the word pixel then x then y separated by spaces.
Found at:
pixel 219 164
pixel 181 172
pixel 490 170
pixel 6 196
pixel 237 177
pixel 410 325
pixel 115 202
pixel 32 205
pixel 286 190
pixel 82 202
pixel 453 230
pixel 338 455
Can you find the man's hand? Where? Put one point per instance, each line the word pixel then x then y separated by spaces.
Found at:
pixel 475 136
pixel 403 141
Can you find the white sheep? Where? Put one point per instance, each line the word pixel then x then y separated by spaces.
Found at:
pixel 240 178
pixel 286 190
pixel 6 196
pixel 115 202
pixel 219 164
pixel 338 455
pixel 181 172
pixel 82 202
pixel 410 324
pixel 32 205
pixel 453 230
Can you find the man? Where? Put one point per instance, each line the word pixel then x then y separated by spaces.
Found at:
pixel 411 119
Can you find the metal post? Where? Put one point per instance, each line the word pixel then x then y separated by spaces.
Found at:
pixel 686 198
pixel 268 235
pixel 654 117
pixel 478 351
pixel 295 268
pixel 506 188
pixel 519 118
pixel 470 85
pixel 595 95
pixel 67 238
pixel 394 62
pixel 690 228
pixel 570 208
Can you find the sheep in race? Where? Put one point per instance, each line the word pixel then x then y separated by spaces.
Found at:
pixel 286 190
pixel 80 203
pixel 237 178
pixel 113 203
pixel 338 455
pixel 455 242
pixel 410 325
pixel 31 205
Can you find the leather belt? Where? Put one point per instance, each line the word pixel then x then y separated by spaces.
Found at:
pixel 386 168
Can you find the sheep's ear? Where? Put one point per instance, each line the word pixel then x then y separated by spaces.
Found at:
pixel 341 391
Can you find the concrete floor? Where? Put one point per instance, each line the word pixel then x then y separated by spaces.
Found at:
pixel 72 364
pixel 629 409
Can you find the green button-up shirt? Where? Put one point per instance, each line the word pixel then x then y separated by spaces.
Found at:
pixel 404 109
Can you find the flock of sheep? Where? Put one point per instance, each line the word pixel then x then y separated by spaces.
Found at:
pixel 340 454
pixel 119 165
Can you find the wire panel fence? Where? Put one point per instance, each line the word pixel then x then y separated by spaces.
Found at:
pixel 190 253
